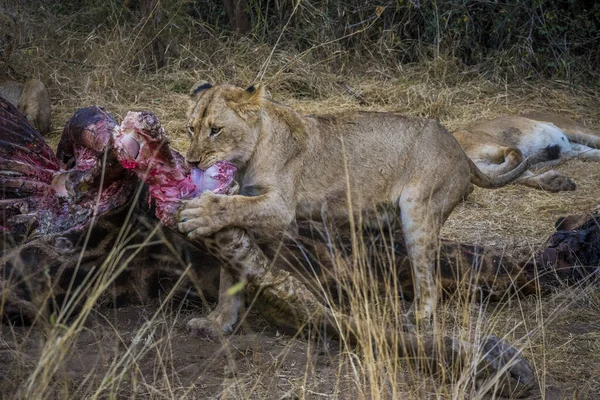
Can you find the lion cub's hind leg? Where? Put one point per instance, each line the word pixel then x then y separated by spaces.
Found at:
pixel 223 318
pixel 423 209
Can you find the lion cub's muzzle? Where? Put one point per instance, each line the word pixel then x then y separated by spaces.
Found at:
pixel 204 162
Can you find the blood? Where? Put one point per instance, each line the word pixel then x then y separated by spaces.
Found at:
pixel 129 164
pixel 45 193
pixel 169 178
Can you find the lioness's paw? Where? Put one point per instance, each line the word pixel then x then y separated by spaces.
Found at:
pixel 552 181
pixel 504 367
pixel 208 328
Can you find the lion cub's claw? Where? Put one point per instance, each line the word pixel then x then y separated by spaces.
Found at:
pixel 208 328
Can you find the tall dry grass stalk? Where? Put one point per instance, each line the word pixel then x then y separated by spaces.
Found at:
pixel 145 363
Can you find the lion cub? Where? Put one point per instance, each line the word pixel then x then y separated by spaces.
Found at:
pixel 499 145
pixel 337 166
pixel 32 100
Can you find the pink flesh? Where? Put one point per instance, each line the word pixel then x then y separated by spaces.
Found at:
pixel 41 198
pixel 216 179
pixel 169 178
pixel 39 194
pixel 27 165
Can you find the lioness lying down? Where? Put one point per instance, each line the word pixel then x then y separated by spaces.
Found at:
pixel 32 100
pixel 357 166
pixel 502 144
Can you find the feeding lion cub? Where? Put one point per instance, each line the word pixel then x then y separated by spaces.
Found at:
pixel 499 145
pixel 338 166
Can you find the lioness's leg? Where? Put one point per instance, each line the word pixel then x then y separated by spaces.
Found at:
pixel 550 181
pixel 583 152
pixel 498 160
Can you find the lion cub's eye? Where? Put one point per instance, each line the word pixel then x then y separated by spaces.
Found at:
pixel 214 131
pixel 190 131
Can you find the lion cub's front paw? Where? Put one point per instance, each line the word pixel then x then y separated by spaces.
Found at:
pixel 198 228
pixel 201 216
pixel 208 328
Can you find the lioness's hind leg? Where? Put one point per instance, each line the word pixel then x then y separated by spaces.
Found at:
pixel 583 152
pixel 497 160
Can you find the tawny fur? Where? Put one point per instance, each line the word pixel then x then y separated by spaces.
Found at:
pixel 500 145
pixel 32 100
pixel 343 166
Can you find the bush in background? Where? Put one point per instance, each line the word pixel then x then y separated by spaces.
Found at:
pixel 521 38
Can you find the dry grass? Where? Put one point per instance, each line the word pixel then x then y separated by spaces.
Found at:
pixel 141 352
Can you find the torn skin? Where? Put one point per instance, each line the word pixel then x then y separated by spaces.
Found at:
pixel 27 166
pixel 44 193
pixel 85 151
pixel 142 146
pixel 86 139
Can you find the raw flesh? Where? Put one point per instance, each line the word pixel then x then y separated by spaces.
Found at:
pixel 142 146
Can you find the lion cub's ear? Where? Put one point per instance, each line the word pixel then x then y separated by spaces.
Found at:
pixel 197 90
pixel 255 94
pixel 249 101
pixel 265 94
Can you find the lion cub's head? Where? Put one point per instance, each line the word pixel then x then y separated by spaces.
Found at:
pixel 222 124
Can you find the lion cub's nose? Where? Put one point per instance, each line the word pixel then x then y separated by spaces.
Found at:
pixel 192 164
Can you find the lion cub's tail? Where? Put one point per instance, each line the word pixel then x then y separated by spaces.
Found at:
pixel 492 182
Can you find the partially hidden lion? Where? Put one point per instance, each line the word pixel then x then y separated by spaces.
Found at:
pixel 500 145
pixel 357 166
pixel 32 100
